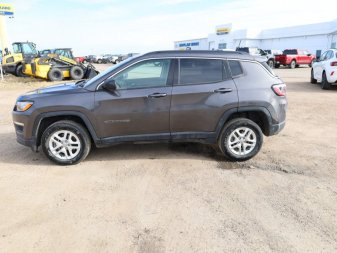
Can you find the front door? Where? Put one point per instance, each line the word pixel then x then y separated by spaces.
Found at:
pixel 141 103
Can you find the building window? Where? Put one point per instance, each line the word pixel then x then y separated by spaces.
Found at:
pixel 222 46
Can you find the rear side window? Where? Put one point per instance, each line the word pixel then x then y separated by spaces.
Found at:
pixel 198 71
pixel 290 51
pixel 235 68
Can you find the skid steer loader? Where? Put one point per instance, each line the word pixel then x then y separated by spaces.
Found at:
pixel 12 62
pixel 58 65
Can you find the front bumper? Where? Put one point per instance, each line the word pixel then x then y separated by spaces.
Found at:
pixel 24 129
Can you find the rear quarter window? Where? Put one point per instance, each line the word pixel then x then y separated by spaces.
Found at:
pixel 235 68
pixel 256 72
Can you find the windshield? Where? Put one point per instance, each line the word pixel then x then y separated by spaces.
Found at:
pixel 89 82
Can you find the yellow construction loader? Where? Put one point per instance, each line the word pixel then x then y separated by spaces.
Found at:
pixel 58 65
pixel 12 62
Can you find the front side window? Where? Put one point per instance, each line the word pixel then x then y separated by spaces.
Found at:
pixel 199 71
pixel 235 68
pixel 323 56
pixel 145 74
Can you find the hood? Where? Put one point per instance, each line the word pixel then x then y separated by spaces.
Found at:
pixel 51 90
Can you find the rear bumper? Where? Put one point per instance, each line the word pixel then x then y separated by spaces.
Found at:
pixel 276 128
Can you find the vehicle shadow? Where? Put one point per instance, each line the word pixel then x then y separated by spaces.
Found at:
pixel 195 151
pixel 12 152
pixel 305 87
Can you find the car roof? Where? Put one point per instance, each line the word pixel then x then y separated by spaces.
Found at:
pixel 200 53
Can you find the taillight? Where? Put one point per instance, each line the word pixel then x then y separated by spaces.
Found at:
pixel 279 89
pixel 333 64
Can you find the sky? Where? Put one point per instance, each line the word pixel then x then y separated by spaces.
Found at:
pixel 123 26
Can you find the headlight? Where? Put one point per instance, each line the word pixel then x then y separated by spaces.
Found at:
pixel 23 106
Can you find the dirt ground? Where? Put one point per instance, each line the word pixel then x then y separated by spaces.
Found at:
pixel 177 198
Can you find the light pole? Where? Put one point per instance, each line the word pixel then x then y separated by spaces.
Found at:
pixel 5 10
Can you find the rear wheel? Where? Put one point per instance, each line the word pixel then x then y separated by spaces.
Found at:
pixel 325 84
pixel 277 65
pixel 312 78
pixel 292 65
pixel 241 139
pixel 99 61
pixel 76 73
pixel 66 142
pixel 55 74
pixel 271 63
pixel 310 64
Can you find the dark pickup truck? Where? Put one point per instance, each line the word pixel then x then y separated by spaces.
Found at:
pixel 293 58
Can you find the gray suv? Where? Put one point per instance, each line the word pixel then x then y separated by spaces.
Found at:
pixel 226 99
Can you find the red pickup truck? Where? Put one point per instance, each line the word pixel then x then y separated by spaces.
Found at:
pixel 293 58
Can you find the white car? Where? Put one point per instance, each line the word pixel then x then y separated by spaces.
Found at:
pixel 324 69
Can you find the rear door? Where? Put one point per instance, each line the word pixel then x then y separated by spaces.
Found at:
pixel 202 92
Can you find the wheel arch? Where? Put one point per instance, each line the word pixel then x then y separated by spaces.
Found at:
pixel 260 115
pixel 46 119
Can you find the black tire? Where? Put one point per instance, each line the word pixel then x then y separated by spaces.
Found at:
pixel 270 63
pixel 277 65
pixel 325 84
pixel 55 74
pixel 99 61
pixel 117 61
pixel 292 65
pixel 226 135
pixel 78 130
pixel 19 71
pixel 76 73
pixel 310 64
pixel 312 78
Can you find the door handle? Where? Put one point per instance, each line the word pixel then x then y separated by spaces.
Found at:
pixel 157 95
pixel 223 90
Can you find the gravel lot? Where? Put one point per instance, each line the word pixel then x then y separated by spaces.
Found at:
pixel 177 198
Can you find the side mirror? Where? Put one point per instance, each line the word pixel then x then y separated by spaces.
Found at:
pixel 110 85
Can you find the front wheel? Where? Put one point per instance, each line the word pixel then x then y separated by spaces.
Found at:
pixel 19 71
pixel 76 72
pixel 66 142
pixel 241 139
pixel 271 64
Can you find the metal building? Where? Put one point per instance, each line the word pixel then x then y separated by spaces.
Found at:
pixel 312 37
